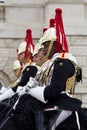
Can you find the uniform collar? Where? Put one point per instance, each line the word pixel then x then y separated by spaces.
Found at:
pixel 24 66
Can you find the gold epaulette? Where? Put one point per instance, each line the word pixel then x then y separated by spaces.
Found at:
pixel 15 83
pixel 70 83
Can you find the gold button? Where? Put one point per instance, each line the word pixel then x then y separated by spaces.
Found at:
pixel 27 69
pixel 61 63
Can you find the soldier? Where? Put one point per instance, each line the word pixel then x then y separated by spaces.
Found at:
pixel 57 80
pixel 24 53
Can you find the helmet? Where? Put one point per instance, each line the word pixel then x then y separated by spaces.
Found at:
pixel 22 47
pixel 16 65
pixel 49 35
pixel 37 48
pixel 27 46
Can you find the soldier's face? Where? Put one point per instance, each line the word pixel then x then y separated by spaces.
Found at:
pixel 46 46
pixel 21 57
pixel 35 58
pixel 17 72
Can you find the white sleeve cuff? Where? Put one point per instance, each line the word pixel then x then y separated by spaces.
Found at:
pixel 38 93
pixel 7 94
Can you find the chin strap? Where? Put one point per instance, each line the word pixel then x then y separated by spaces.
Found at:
pixel 49 49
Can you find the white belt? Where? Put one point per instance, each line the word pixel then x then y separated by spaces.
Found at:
pixel 51 109
pixel 67 93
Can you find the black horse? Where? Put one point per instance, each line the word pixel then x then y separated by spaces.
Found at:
pixel 28 115
pixel 6 113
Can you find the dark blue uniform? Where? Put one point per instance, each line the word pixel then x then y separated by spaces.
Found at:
pixel 63 69
pixel 29 71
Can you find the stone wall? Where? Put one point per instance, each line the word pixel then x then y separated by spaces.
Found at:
pixel 35 14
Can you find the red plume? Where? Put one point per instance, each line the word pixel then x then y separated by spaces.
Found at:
pixel 52 22
pixel 61 42
pixel 29 41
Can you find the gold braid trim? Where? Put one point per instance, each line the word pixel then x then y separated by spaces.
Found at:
pixel 15 83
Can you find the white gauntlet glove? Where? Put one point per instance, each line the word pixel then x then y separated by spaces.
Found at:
pixel 25 90
pixel 32 83
pixel 22 90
